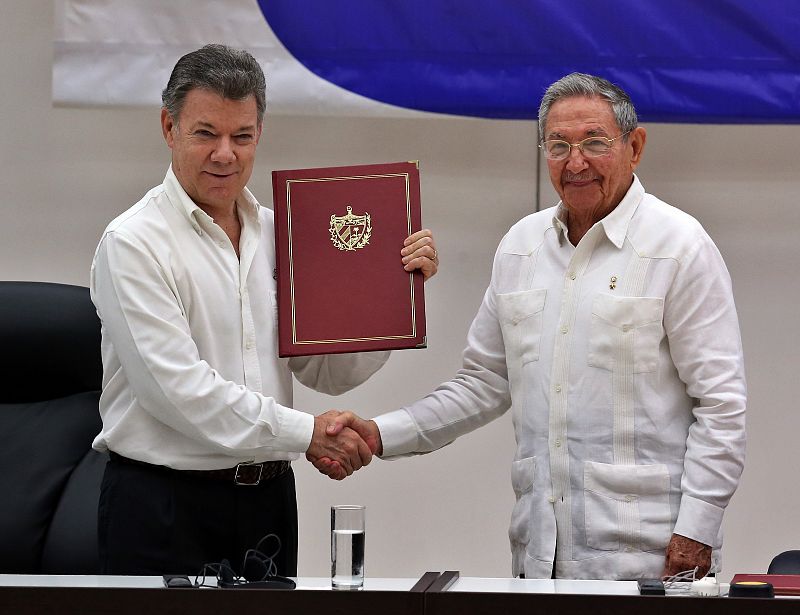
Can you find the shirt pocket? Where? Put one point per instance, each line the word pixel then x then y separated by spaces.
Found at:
pixel 520 315
pixel 522 475
pixel 626 330
pixel 627 506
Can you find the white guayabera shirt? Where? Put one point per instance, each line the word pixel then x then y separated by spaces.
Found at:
pixel 191 374
pixel 621 360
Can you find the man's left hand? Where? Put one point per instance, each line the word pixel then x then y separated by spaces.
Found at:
pixel 367 430
pixel 419 252
pixel 687 554
pixel 344 448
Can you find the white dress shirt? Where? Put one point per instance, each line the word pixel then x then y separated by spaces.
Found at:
pixel 621 360
pixel 191 374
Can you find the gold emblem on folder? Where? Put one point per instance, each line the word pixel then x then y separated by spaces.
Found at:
pixel 350 232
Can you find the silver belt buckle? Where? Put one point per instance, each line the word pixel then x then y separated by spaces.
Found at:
pixel 239 478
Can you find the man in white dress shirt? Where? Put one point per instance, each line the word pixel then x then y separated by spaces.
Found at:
pixel 196 405
pixel 609 329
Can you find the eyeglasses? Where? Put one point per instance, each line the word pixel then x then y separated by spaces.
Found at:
pixel 592 147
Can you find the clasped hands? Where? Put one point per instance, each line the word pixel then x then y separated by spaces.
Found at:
pixel 343 443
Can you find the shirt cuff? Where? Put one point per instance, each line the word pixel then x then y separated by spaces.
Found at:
pixel 398 433
pixel 700 521
pixel 296 430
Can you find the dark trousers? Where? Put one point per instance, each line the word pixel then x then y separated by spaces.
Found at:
pixel 153 521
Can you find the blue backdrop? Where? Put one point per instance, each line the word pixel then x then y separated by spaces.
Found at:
pixel 726 61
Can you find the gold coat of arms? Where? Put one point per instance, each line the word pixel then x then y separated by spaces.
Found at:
pixel 350 232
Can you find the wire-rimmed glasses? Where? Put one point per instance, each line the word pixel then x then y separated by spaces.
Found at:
pixel 591 147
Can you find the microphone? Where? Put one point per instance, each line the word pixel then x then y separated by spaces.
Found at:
pixel 257 572
pixel 225 578
pixel 255 569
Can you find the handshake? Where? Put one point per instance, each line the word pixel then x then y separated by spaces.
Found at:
pixel 343 443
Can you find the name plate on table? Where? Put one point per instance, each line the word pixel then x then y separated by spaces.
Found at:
pixel 338 236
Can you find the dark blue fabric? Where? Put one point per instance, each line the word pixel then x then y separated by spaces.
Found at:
pixel 692 61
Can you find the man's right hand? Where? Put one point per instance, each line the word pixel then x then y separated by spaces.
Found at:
pixel 337 447
pixel 342 423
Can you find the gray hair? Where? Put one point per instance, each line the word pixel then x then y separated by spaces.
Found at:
pixel 581 84
pixel 231 73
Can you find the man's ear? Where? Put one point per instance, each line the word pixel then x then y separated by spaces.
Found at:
pixel 636 141
pixel 166 127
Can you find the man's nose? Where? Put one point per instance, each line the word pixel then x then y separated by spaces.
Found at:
pixel 576 161
pixel 223 152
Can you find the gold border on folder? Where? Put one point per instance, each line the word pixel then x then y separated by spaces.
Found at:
pixel 289 183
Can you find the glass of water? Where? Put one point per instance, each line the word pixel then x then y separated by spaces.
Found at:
pixel 347 546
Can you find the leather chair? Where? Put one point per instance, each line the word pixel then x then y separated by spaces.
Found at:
pixel 787 562
pixel 50 377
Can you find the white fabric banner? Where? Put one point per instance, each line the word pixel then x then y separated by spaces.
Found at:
pixel 121 52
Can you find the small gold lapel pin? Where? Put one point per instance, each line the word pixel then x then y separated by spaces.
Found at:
pixel 613 284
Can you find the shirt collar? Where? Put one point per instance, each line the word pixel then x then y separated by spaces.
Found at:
pixel 247 203
pixel 614 224
pixel 560 222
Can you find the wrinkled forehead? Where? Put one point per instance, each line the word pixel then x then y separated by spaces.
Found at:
pixel 580 116
pixel 208 108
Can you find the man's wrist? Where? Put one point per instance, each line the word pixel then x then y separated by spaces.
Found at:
pixel 296 430
pixel 398 433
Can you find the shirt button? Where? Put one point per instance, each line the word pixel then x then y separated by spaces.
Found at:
pixel 558 443
pixel 626 328
pixel 572 275
pixel 249 345
pixel 628 498
pixel 551 499
pixel 558 388
pixel 564 329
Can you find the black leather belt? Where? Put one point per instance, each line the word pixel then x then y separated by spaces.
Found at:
pixel 247 474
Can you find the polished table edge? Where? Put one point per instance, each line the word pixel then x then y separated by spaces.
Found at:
pixel 153 582
pixel 456 602
pixel 453 581
pixel 143 596
pixel 89 595
pixel 449 581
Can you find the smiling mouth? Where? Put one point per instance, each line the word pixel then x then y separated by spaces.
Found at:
pixel 220 175
pixel 579 181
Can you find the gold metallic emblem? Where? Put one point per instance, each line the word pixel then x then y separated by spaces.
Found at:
pixel 350 232
pixel 613 282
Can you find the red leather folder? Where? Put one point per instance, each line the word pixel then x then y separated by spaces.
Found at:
pixel 338 236
pixel 783 584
